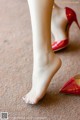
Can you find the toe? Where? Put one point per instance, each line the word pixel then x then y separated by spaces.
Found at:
pixel 23 98
pixel 33 101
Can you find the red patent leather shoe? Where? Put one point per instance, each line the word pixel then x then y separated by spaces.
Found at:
pixel 71 17
pixel 72 86
pixel 56 46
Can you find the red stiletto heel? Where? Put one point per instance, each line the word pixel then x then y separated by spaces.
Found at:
pixel 71 87
pixel 71 17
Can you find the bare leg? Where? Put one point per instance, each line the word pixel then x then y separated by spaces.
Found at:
pixel 58 23
pixel 46 63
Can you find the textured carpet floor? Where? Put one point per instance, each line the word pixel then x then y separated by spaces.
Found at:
pixel 16 66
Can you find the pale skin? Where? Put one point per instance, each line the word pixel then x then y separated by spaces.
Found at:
pixel 58 23
pixel 45 62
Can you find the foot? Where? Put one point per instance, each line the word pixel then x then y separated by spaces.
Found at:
pixel 42 76
pixel 58 24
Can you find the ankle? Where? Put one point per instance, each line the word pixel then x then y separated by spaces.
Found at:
pixel 44 58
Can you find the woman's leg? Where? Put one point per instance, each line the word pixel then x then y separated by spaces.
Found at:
pixel 58 23
pixel 46 63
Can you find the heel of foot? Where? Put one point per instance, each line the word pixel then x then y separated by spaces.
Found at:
pixel 58 63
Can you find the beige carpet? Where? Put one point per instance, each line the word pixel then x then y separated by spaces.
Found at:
pixel 16 66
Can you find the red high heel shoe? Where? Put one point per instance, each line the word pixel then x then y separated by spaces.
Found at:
pixel 71 17
pixel 71 87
